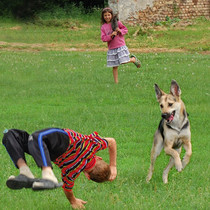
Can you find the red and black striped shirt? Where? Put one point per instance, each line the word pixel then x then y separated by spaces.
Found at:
pixel 79 156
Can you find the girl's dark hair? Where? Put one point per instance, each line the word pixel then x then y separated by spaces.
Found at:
pixel 107 9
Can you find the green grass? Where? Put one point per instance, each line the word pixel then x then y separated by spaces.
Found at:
pixel 84 32
pixel 76 90
pixel 44 86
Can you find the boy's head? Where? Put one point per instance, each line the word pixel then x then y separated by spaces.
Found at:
pixel 100 171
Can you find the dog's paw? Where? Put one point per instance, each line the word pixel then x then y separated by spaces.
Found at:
pixel 148 178
pixel 179 167
pixel 184 163
pixel 165 178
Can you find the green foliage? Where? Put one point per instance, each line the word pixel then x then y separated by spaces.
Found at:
pixel 28 10
pixel 68 23
pixel 56 12
pixel 71 11
pixel 168 22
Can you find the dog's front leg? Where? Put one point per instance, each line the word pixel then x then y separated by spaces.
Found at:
pixel 168 168
pixel 173 153
pixel 188 148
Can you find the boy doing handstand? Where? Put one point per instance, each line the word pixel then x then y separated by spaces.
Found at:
pixel 72 152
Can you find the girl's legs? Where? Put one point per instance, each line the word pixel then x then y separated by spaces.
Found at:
pixel 115 69
pixel 132 60
pixel 115 74
pixel 135 60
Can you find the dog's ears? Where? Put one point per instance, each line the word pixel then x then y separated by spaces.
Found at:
pixel 158 92
pixel 175 90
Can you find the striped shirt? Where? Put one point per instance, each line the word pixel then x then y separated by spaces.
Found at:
pixel 79 156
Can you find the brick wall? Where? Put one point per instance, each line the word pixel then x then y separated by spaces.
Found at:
pixel 150 11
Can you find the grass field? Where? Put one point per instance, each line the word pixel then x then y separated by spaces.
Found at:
pixel 55 88
pixel 84 32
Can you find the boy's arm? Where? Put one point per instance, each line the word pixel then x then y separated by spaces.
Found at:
pixel 112 145
pixel 75 202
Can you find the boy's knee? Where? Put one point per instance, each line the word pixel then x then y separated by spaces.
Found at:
pixel 13 135
pixel 34 136
pixel 7 136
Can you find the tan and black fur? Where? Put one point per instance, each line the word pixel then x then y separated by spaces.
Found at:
pixel 173 131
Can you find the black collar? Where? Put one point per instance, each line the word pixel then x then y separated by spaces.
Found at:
pixel 182 128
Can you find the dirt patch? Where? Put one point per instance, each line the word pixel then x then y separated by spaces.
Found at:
pixel 36 47
pixel 16 28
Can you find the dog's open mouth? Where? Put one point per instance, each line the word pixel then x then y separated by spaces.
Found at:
pixel 168 116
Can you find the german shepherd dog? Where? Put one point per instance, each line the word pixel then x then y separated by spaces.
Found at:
pixel 173 131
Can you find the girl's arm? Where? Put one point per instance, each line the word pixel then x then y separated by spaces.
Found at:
pixel 122 29
pixel 104 36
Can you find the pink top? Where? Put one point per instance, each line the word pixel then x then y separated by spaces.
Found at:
pixel 118 41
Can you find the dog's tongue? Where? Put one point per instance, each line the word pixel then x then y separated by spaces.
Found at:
pixel 171 118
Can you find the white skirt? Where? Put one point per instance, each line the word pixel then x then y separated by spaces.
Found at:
pixel 117 56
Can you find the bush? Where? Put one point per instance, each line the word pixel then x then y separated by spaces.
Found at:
pixel 168 21
pixel 25 9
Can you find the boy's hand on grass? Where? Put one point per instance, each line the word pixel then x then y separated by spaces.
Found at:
pixel 78 204
pixel 113 173
pixel 75 202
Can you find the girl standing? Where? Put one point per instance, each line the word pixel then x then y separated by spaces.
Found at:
pixel 118 52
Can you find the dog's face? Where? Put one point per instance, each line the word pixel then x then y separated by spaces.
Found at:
pixel 169 103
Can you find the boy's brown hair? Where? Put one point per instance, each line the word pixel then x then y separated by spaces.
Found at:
pixel 107 9
pixel 101 172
